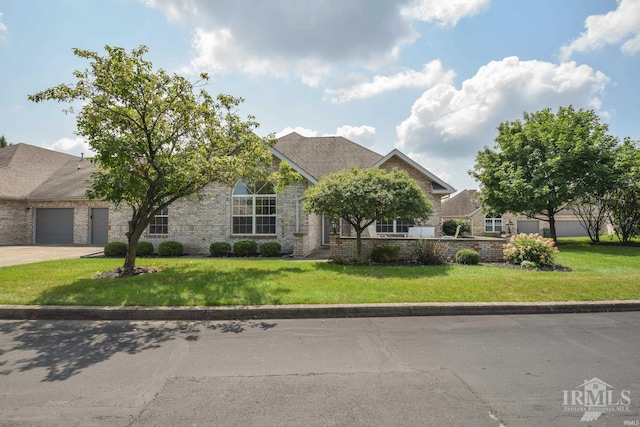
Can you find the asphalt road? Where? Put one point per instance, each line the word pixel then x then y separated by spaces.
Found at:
pixel 525 370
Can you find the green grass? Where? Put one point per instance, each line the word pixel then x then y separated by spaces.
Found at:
pixel 601 272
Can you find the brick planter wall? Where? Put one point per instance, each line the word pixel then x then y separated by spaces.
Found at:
pixel 489 249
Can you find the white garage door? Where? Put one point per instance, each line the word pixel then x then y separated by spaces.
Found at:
pixel 54 226
pixel 570 229
pixel 528 226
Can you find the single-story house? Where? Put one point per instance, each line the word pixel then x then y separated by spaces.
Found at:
pixel 465 205
pixel 244 212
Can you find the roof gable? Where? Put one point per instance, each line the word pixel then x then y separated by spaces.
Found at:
pixel 438 186
pixel 462 204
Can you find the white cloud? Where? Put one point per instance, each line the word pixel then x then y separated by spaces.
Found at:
pixel 4 32
pixel 289 37
pixel 619 26
pixel 302 131
pixel 75 146
pixel 363 135
pixel 452 124
pixel 431 74
pixel 444 12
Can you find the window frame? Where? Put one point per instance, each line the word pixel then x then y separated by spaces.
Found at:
pixel 152 228
pixel 397 226
pixel 493 223
pixel 259 210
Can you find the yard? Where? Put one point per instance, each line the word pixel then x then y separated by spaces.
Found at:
pixel 604 272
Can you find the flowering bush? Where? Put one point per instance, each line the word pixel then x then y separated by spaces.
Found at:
pixel 530 247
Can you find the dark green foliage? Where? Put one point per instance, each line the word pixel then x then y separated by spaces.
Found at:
pixel 385 254
pixel 449 227
pixel 219 249
pixel 467 256
pixel 144 249
pixel 430 252
pixel 270 249
pixel 170 248
pixel 115 249
pixel 245 248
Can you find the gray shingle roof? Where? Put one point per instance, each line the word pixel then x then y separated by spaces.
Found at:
pixel 462 204
pixel 27 172
pixel 320 156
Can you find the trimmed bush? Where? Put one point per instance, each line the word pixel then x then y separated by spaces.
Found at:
pixel 385 254
pixel 450 226
pixel 170 248
pixel 245 248
pixel 144 249
pixel 270 249
pixel 530 247
pixel 430 252
pixel 115 249
pixel 219 249
pixel 467 256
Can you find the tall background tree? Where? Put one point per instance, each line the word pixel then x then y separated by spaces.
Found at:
pixel 158 137
pixel 623 201
pixel 542 164
pixel 363 196
pixel 3 141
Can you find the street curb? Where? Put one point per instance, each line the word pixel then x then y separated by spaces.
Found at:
pixel 44 312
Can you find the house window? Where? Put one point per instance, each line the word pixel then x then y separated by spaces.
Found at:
pixel 493 223
pixel 398 226
pixel 160 223
pixel 254 209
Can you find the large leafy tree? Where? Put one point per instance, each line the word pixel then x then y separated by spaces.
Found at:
pixel 623 201
pixel 362 196
pixel 157 136
pixel 542 164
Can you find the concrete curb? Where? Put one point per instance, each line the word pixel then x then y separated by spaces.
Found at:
pixel 42 312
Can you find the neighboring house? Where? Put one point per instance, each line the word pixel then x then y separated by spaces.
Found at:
pixel 42 199
pixel 249 211
pixel 465 205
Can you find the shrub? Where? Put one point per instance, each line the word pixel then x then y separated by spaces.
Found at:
pixel 467 256
pixel 270 249
pixel 115 249
pixel 385 254
pixel 450 226
pixel 430 252
pixel 218 249
pixel 530 247
pixel 245 248
pixel 144 249
pixel 170 248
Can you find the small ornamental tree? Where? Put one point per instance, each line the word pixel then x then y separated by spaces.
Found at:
pixel 362 196
pixel 158 137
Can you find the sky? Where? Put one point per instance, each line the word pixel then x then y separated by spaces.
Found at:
pixel 432 78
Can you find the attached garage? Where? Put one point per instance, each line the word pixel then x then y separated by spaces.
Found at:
pixel 571 228
pixel 99 226
pixel 54 226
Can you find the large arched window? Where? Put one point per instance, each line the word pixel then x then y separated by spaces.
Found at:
pixel 493 223
pixel 254 209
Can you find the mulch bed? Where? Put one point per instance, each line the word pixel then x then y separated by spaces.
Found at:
pixel 120 272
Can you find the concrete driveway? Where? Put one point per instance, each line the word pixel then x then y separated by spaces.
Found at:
pixel 13 255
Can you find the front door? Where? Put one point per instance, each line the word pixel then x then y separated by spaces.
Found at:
pixel 99 226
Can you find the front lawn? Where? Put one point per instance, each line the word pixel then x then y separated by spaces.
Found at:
pixel 599 273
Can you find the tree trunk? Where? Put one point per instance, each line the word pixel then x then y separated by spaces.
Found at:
pixel 552 228
pixel 133 235
pixel 359 244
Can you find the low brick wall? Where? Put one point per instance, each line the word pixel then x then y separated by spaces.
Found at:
pixel 489 249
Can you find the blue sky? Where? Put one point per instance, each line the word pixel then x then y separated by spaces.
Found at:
pixel 433 78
